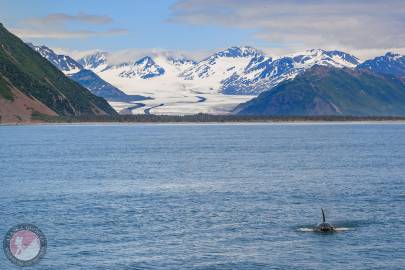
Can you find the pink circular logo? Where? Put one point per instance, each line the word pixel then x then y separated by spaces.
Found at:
pixel 24 245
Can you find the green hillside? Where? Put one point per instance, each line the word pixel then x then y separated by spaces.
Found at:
pixel 331 91
pixel 24 70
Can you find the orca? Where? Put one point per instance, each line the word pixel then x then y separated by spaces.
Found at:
pixel 324 226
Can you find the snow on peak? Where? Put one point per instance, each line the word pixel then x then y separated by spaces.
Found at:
pixel 178 61
pixel 147 60
pixel 393 56
pixel 144 68
pixel 95 61
pixel 263 76
pixel 64 63
pixel 212 71
pixel 342 56
pixel 321 57
pixel 244 51
pixel 176 81
pixel 258 63
pixel 390 63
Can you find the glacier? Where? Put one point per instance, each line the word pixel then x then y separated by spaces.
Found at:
pixel 176 85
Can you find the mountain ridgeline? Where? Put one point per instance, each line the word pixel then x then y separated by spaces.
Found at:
pixel 325 90
pixel 35 79
pixel 390 64
pixel 246 71
pixel 85 77
pixel 29 84
pixel 233 71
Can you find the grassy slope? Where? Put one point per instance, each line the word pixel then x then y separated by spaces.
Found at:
pixel 36 77
pixel 330 91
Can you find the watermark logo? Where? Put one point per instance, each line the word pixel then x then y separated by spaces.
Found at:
pixel 25 245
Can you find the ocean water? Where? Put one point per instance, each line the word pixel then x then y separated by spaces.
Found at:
pixel 207 196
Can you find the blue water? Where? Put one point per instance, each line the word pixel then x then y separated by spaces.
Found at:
pixel 207 196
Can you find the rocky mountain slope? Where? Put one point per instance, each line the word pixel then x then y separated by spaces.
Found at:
pixel 331 91
pixel 263 74
pixel 29 85
pixel 390 63
pixel 84 77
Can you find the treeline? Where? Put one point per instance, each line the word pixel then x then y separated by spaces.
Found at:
pixel 206 118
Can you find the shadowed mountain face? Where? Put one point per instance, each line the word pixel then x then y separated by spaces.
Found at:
pixel 85 77
pixel 331 91
pixel 263 74
pixel 23 72
pixel 390 64
pixel 101 88
pixel 144 68
pixel 64 63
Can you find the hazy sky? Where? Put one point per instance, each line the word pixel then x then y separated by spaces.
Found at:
pixel 363 27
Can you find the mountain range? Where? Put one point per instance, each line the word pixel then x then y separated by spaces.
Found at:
pixel 30 85
pixel 390 63
pixel 84 77
pixel 163 83
pixel 375 87
pixel 168 84
pixel 234 71
pixel 324 90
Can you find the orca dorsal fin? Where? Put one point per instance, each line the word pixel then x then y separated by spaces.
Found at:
pixel 323 215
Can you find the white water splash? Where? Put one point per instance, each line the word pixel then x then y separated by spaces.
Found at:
pixel 338 229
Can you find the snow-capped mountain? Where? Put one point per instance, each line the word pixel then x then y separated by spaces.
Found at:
pixel 171 93
pixel 214 84
pixel 264 74
pixel 84 77
pixel 169 84
pixel 180 62
pixel 144 68
pixel 95 62
pixel 324 58
pixel 392 64
pixel 101 88
pixel 212 71
pixel 64 63
pixel 148 74
pixel 237 70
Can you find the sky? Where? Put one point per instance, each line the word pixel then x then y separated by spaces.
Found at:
pixel 365 28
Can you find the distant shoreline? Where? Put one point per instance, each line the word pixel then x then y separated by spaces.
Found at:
pixel 206 119
pixel 399 122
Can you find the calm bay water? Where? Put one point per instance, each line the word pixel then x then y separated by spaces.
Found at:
pixel 207 196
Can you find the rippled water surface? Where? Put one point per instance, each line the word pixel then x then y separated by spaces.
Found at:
pixel 207 196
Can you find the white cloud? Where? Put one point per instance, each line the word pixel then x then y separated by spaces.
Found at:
pixel 298 24
pixel 127 55
pixel 56 26
pixel 63 18
pixel 75 54
pixel 120 56
pixel 362 54
pixel 65 34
